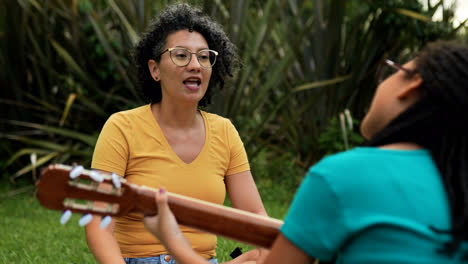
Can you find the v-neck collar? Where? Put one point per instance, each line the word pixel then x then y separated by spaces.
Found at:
pixel 168 147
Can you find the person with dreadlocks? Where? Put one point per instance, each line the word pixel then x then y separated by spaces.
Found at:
pixel 182 59
pixel 402 198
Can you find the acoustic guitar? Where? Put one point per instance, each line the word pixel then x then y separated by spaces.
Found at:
pixel 75 189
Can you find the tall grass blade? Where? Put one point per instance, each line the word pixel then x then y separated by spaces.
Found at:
pixel 131 32
pixel 25 151
pixel 66 110
pixel 413 14
pixel 39 162
pixel 318 84
pixel 89 140
pixel 70 61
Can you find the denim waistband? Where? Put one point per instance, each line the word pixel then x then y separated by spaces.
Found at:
pixel 161 259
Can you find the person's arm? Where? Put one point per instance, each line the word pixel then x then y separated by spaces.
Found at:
pixel 243 193
pixel 164 226
pixel 283 251
pixel 240 185
pixel 102 242
pixel 110 155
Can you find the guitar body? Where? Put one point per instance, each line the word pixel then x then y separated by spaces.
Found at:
pixel 63 188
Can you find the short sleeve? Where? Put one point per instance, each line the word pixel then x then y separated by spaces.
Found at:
pixel 238 157
pixel 111 150
pixel 315 221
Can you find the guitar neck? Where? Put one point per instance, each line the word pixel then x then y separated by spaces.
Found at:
pixel 220 220
pixel 62 189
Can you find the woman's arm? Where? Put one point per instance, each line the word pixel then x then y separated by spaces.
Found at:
pixel 243 193
pixel 102 243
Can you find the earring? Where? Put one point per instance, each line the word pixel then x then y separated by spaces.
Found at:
pixel 156 78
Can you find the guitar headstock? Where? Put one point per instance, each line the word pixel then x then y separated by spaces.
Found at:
pixel 76 189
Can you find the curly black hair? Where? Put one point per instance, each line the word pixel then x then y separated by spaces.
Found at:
pixel 179 17
pixel 439 123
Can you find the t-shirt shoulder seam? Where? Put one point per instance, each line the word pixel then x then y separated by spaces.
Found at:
pixel 133 111
pixel 336 195
pixel 214 117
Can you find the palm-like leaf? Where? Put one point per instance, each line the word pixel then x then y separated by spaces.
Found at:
pixel 66 67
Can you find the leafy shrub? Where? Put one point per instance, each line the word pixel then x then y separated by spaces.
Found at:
pixel 66 67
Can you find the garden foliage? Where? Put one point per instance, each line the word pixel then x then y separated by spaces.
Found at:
pixel 66 66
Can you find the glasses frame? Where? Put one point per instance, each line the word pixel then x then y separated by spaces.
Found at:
pixel 190 58
pixel 395 66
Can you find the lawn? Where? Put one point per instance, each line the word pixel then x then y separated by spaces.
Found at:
pixel 32 234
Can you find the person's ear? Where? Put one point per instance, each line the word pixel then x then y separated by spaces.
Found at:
pixel 411 88
pixel 153 67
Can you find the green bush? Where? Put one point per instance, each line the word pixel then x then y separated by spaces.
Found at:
pixel 341 134
pixel 66 67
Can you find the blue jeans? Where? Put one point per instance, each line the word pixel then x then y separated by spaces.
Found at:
pixel 161 259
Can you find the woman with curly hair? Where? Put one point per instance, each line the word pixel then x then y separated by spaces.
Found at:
pixel 401 199
pixel 181 60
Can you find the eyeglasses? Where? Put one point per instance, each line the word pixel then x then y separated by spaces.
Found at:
pixel 182 57
pixel 385 72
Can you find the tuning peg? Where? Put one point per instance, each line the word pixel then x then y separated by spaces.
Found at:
pixel 105 222
pixel 85 219
pixel 65 217
pixel 96 176
pixel 76 171
pixel 116 180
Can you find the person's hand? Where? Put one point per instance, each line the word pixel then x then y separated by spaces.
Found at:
pixel 262 254
pixel 163 225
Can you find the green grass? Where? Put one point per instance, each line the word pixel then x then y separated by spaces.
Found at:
pixel 276 199
pixel 32 234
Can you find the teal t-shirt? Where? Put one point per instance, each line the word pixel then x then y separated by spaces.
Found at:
pixel 371 205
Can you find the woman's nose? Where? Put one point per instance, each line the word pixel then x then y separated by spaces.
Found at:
pixel 194 65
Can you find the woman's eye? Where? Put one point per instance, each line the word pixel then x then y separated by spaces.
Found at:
pixel 203 57
pixel 181 56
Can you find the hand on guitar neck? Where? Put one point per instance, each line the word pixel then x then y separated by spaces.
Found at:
pixel 164 226
pixel 74 189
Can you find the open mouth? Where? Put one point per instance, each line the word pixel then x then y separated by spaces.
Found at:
pixel 192 81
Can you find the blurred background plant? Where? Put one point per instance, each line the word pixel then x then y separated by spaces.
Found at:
pixel 66 67
pixel 342 133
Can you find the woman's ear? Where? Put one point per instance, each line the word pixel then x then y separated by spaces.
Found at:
pixel 153 67
pixel 410 89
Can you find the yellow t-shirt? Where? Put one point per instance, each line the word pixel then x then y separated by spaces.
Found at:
pixel 133 145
